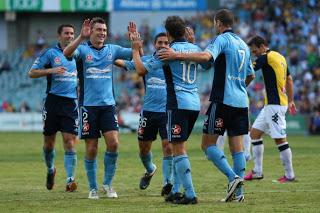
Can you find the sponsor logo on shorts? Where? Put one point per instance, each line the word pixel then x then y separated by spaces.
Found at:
pixel 85 128
pixel 141 131
pixel 176 129
pixel 218 123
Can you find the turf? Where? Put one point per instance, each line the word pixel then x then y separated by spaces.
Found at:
pixel 23 173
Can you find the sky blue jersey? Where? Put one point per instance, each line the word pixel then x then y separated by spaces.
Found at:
pixel 65 84
pixel 95 67
pixel 181 76
pixel 155 97
pixel 232 65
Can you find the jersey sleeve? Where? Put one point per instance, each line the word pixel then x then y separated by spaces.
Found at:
pixel 153 64
pixel 122 53
pixel 42 61
pixel 129 65
pixel 260 62
pixel 216 47
pixel 79 52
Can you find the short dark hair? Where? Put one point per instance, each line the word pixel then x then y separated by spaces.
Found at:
pixel 175 26
pixel 97 20
pixel 225 17
pixel 159 35
pixel 60 28
pixel 257 41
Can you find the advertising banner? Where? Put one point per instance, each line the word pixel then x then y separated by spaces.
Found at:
pixel 159 5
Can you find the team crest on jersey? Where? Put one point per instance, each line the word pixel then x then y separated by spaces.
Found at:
pixel 176 129
pixel 89 58
pixel 109 56
pixel 219 122
pixel 57 60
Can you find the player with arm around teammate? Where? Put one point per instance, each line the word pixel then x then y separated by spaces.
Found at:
pixel 183 103
pixel 228 110
pixel 60 111
pixel 97 103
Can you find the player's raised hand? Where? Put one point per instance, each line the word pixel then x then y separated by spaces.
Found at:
pixel 57 70
pixel 166 54
pixel 132 29
pixel 292 108
pixel 86 29
pixel 136 41
pixel 190 35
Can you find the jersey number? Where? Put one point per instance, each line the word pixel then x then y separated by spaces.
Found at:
pixel 242 54
pixel 187 68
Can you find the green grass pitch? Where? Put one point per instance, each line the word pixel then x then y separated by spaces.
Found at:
pixel 23 173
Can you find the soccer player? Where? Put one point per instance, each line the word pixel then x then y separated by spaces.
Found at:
pixel 97 103
pixel 183 103
pixel 229 106
pixel 153 118
pixel 271 120
pixel 60 111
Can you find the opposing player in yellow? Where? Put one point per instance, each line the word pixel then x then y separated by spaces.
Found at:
pixel 271 120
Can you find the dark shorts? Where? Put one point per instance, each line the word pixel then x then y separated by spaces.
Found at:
pixel 180 124
pixel 221 117
pixel 150 124
pixel 96 119
pixel 60 114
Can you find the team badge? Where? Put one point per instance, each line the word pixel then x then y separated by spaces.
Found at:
pixel 109 56
pixel 57 60
pixel 219 122
pixel 176 129
pixel 89 59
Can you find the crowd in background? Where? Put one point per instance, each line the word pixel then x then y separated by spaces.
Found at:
pixel 291 28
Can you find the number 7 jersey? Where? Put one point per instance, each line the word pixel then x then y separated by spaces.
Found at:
pixel 232 64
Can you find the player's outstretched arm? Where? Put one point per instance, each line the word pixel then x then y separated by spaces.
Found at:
pixel 199 57
pixel 85 34
pixel 136 45
pixel 37 73
pixel 120 63
pixel 249 79
pixel 289 88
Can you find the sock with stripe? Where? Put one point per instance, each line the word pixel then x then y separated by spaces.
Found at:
pixel 110 166
pixel 167 169
pixel 183 169
pixel 257 151
pixel 49 157
pixel 286 158
pixel 217 157
pixel 91 169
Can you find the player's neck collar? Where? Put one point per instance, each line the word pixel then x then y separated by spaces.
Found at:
pixel 59 46
pixel 91 45
pixel 178 40
pixel 227 31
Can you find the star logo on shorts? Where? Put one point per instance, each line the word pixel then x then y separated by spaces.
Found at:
pixel 218 122
pixel 85 127
pixel 176 129
pixel 275 118
pixel 140 131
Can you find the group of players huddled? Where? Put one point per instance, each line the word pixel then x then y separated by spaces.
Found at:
pixel 171 103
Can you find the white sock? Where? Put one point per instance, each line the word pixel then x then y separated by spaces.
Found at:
pixel 286 158
pixel 257 151
pixel 247 146
pixel 220 142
